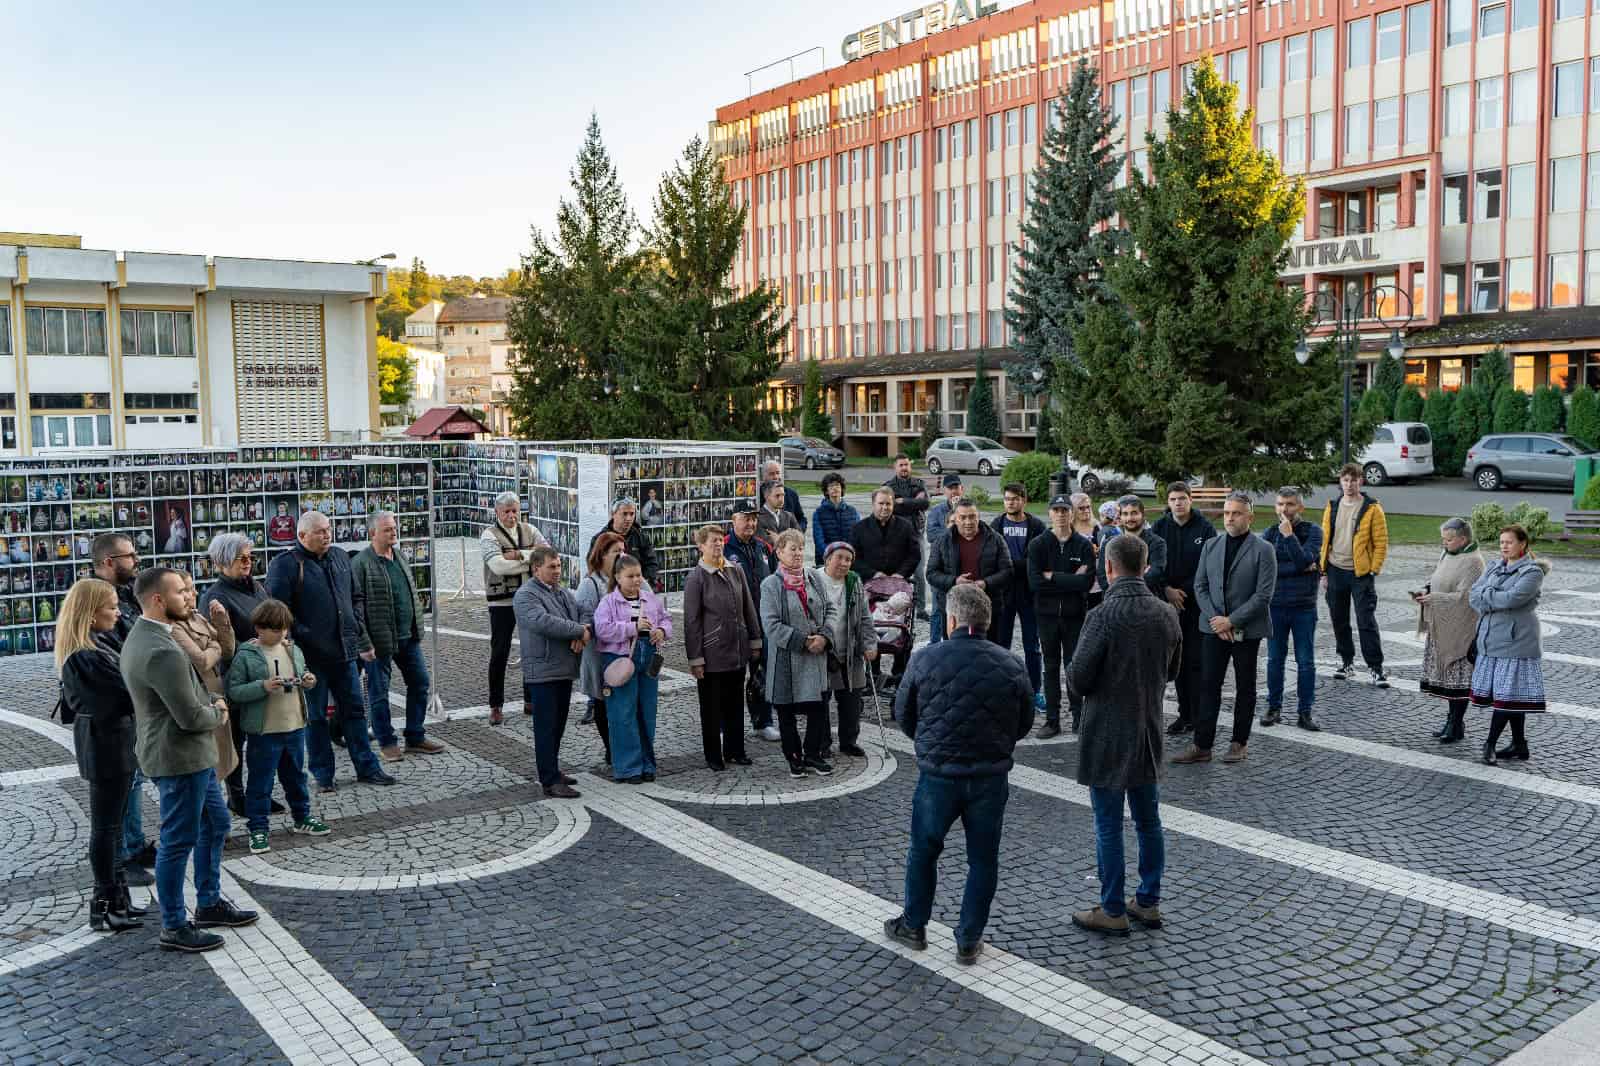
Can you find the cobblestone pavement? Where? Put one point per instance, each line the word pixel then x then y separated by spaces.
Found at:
pixel 1360 895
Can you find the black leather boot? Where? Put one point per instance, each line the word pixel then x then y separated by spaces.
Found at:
pixel 1514 750
pixel 1488 753
pixel 102 919
pixel 1273 716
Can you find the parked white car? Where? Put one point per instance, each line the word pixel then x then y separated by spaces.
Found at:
pixel 1091 480
pixel 1399 451
pixel 977 454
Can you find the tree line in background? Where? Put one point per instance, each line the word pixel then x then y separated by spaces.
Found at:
pixel 409 288
pixel 620 330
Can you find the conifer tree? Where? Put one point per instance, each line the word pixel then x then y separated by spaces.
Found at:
pixel 815 421
pixel 981 418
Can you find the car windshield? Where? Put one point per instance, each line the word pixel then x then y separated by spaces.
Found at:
pixel 1418 435
pixel 1580 446
pixel 984 444
pixel 812 442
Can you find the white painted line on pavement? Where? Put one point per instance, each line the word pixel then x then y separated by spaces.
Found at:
pixel 1492 907
pixel 1076 1010
pixel 42 726
pixel 1547 656
pixel 38 776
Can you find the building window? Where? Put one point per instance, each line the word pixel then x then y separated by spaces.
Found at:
pixel 1457 110
pixel 1591 278
pixel 1563 283
pixel 997 324
pixel 1119 103
pixel 5 330
pixel 1388 211
pixel 1524 98
pixel 1486 195
pixel 65 331
pixel 1486 286
pixel 992 133
pixel 1417 115
pixel 1294 141
pixel 1386 123
pixel 1322 52
pixel 1266 138
pixel 1519 284
pixel 1160 92
pixel 1419 28
pixel 958 332
pixel 1452 373
pixel 1358 43
pixel 1491 20
pixel 1453 285
pixel 1455 204
pixel 1489 92
pixel 1519 191
pixel 1295 57
pixel 1565 9
pixel 941 333
pixel 1565 179
pixel 1594 84
pixel 1355 129
pixel 1269 57
pixel 1593 201
pixel 1567 95
pixel 1239 72
pixel 1389 35
pixel 1322 135
pixel 161 401
pixel 1457 22
pixel 941 138
pixel 1012 131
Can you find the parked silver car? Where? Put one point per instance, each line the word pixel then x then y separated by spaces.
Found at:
pixel 1511 459
pixel 810 453
pixel 977 454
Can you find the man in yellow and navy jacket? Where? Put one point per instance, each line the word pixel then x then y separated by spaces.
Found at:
pixel 1355 543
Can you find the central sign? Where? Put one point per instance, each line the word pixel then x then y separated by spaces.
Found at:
pixel 913 25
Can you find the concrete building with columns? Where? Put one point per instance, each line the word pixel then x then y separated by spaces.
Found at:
pixel 1450 151
pixel 102 349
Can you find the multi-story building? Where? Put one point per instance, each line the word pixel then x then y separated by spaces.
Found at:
pixel 471 332
pixel 1450 151
pixel 101 349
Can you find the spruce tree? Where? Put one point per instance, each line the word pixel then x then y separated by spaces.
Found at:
pixel 1547 411
pixel 1471 418
pixel 702 351
pixel 1438 411
pixel 1511 411
pixel 815 421
pixel 932 430
pixel 1492 374
pixel 1583 418
pixel 563 320
pixel 1408 404
pixel 981 418
pixel 418 290
pixel 1389 376
pixel 1068 232
pixel 1193 369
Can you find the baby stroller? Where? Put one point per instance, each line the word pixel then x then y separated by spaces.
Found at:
pixel 893 616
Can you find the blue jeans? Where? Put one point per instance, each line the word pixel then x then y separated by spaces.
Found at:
pixel 414 668
pixel 631 716
pixel 343 681
pixel 1301 622
pixel 283 754
pixel 1143 802
pixel 133 819
pixel 548 702
pixel 1019 604
pixel 194 818
pixel 980 803
pixel 936 618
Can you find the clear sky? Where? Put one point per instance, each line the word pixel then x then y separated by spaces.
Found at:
pixel 332 129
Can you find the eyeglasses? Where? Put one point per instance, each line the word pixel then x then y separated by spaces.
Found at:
pixel 124 555
pixel 246 556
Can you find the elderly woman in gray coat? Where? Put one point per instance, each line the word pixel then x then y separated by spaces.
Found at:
pixel 854 643
pixel 1449 624
pixel 796 620
pixel 1508 676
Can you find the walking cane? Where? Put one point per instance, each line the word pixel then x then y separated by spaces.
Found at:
pixel 877 705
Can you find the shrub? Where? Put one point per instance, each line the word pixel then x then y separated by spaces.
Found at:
pixel 1408 406
pixel 1470 421
pixel 1448 451
pixel 980 496
pixel 1034 470
pixel 1375 406
pixel 932 430
pixel 912 448
pixel 1511 411
pixel 1493 373
pixel 1591 495
pixel 1547 410
pixel 1489 518
pixel 1583 420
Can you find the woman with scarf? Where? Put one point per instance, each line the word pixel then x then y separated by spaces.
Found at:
pixel 721 634
pixel 592 589
pixel 1508 676
pixel 631 624
pixel 1449 624
pixel 853 643
pixel 796 619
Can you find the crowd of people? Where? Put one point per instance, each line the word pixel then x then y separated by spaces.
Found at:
pixel 255 682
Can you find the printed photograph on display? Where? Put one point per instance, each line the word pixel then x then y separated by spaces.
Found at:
pixel 679 493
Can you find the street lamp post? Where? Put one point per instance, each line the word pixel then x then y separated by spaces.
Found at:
pixel 1346 333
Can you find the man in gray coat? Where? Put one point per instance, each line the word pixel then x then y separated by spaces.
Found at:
pixel 1233 588
pixel 177 749
pixel 1130 647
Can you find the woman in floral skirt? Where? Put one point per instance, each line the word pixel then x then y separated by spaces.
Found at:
pixel 1449 625
pixel 1508 676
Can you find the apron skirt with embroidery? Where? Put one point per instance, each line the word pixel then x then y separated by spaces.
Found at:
pixel 1505 684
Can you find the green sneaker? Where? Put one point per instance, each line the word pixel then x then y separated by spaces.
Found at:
pixel 311 827
pixel 259 843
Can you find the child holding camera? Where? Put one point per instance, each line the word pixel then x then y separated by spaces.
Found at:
pixel 266 685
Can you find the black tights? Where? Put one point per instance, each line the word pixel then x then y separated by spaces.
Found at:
pixel 108 799
pixel 1497 725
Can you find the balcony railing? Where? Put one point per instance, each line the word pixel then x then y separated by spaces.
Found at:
pixel 866 423
pixel 1024 421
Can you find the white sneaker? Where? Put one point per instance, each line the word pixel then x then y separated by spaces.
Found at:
pixel 771 733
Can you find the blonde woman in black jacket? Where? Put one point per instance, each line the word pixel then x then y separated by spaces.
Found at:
pixel 96 702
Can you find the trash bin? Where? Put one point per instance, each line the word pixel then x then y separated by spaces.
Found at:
pixel 1584 468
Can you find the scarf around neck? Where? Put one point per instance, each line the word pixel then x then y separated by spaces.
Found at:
pixel 1469 546
pixel 795 581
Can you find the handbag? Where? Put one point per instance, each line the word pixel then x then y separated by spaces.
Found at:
pixel 619 671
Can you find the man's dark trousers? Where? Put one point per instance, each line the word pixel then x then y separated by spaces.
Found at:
pixel 1216 654
pixel 1058 635
pixel 1011 608
pixel 980 803
pixel 1345 588
pixel 1191 673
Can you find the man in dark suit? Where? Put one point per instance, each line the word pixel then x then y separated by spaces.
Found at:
pixel 1233 589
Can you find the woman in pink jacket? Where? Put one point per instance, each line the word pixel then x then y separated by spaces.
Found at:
pixel 631 623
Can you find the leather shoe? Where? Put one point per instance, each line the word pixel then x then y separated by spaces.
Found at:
pixel 561 792
pixel 1098 921
pixel 187 938
pixel 740 760
pixel 425 746
pixel 1308 723
pixel 137 876
pixel 1049 731
pixel 1149 917
pixel 1236 753
pixel 378 777
pixel 568 779
pixel 1190 755
pixel 1180 727
pixel 223 913
pixel 1513 751
pixel 897 929
pixel 853 750
pixel 1273 716
pixel 967 954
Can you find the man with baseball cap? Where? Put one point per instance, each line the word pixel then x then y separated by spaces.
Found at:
pixel 1061 571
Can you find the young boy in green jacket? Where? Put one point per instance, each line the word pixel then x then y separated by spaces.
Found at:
pixel 266 685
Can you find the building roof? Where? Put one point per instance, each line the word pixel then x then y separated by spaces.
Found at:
pixel 475 309
pixel 435 419
pixel 837 370
pixel 428 312
pixel 1555 324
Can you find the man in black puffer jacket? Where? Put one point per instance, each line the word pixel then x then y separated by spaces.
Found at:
pixel 973 553
pixel 966 702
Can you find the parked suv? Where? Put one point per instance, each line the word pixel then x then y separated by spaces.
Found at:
pixel 1511 459
pixel 810 453
pixel 1399 451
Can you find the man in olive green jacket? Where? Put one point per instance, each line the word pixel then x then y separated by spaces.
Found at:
pixel 392 617
pixel 176 719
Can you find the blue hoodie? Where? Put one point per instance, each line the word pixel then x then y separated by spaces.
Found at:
pixel 1298 575
pixel 830 522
